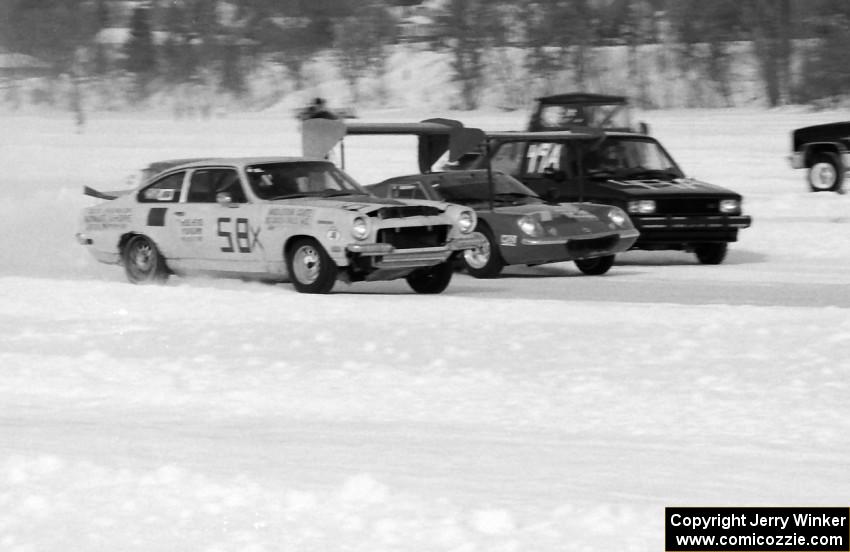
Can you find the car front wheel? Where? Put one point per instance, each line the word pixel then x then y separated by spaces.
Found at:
pixel 434 279
pixel 485 261
pixel 310 267
pixel 597 266
pixel 711 253
pixel 826 173
pixel 143 263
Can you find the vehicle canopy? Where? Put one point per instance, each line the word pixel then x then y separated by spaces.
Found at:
pixel 581 110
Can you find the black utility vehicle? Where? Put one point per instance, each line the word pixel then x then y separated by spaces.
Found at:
pixel 825 151
pixel 629 170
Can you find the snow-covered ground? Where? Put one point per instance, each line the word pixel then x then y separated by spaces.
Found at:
pixel 544 410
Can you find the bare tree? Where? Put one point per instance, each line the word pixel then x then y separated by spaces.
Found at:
pixel 470 26
pixel 769 21
pixel 359 44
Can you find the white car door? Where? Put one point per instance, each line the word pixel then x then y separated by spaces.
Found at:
pixel 217 228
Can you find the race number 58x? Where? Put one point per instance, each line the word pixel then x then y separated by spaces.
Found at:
pixel 236 234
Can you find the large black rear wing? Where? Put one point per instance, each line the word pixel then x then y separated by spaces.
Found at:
pixel 436 137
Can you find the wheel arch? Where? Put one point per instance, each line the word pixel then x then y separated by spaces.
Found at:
pixel 814 149
pixel 126 237
pixel 290 241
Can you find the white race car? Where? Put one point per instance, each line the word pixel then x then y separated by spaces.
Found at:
pixel 275 218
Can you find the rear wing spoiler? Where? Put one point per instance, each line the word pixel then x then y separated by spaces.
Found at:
pixel 436 136
pixel 104 195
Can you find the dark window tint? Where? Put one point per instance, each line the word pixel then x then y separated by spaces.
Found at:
pixel 205 184
pixel 508 157
pixel 411 190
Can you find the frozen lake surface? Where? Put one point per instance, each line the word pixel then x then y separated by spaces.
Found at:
pixel 543 410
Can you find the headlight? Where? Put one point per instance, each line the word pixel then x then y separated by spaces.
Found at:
pixel 360 228
pixel 466 221
pixel 530 226
pixel 642 207
pixel 617 216
pixel 729 206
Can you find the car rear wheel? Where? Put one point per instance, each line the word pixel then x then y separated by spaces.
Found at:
pixel 711 253
pixel 310 267
pixel 143 263
pixel 826 173
pixel 485 261
pixel 596 266
pixel 434 279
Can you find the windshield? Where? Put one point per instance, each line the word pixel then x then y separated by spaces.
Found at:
pixel 630 157
pixel 475 189
pixel 300 179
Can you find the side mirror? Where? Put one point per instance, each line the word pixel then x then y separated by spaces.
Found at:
pixel 643 127
pixel 224 199
pixel 552 196
pixel 556 175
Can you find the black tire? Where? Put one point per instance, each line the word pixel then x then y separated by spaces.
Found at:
pixel 431 280
pixel 310 268
pixel 711 253
pixel 826 173
pixel 486 262
pixel 596 266
pixel 143 263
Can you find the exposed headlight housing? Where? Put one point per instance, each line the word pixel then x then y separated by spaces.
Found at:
pixel 617 216
pixel 530 226
pixel 729 206
pixel 360 228
pixel 642 207
pixel 466 221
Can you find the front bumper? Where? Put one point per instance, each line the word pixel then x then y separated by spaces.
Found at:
pixel 386 256
pixel 678 232
pixel 627 234
pixel 699 222
pixel 796 160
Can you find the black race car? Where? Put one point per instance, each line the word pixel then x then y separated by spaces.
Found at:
pixel 519 226
pixel 625 169
pixel 825 151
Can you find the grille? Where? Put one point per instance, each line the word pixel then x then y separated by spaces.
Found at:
pixel 402 211
pixel 580 247
pixel 688 206
pixel 413 237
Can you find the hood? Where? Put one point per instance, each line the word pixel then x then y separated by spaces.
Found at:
pixel 652 187
pixel 543 211
pixel 371 205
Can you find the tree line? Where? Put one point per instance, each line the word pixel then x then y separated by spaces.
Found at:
pixel 797 46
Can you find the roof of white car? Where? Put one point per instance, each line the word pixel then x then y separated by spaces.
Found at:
pixel 245 161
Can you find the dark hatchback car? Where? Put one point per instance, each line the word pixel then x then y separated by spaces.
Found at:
pixel 519 226
pixel 628 170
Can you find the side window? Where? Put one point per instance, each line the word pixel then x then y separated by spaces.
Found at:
pixel 542 156
pixel 205 184
pixel 508 158
pixel 165 190
pixel 408 191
